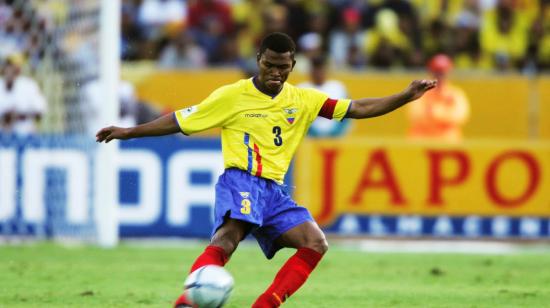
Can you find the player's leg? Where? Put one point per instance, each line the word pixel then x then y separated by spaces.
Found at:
pixel 305 235
pixel 311 245
pixel 231 222
pixel 222 245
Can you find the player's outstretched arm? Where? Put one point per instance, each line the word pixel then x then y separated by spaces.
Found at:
pixel 164 125
pixel 373 107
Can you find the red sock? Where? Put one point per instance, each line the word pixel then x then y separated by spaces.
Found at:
pixel 290 278
pixel 212 255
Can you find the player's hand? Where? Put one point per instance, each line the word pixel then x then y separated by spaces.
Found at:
pixel 112 132
pixel 417 88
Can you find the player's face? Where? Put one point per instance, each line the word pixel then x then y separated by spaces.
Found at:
pixel 274 69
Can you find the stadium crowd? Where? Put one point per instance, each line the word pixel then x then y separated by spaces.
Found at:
pixel 357 34
pixel 489 35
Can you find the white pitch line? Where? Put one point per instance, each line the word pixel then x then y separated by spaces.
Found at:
pixel 450 246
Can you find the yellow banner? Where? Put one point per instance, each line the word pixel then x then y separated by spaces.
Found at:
pixel 523 104
pixel 397 177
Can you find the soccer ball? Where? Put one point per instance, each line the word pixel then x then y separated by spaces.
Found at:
pixel 209 286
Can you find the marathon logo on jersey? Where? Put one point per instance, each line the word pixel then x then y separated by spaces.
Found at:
pixel 290 114
pixel 186 112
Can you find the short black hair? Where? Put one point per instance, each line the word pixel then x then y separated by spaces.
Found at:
pixel 278 42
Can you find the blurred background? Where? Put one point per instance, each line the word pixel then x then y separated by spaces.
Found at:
pixel 469 160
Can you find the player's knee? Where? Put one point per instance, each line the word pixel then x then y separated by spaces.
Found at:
pixel 319 244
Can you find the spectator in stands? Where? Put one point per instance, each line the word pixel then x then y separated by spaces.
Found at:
pixel 275 18
pixel 11 35
pixel 35 46
pixel 22 104
pixel 440 114
pixel 228 55
pixel 504 35
pixel 346 42
pixel 182 52
pixel 5 12
pixel 310 46
pixel 156 15
pixel 469 14
pixel 317 29
pixel 313 42
pixel 200 12
pixel 386 45
pixel 209 22
pixel 445 11
pixel 399 31
pixel 24 29
pixel 541 37
pixel 249 26
pixel 466 49
pixel 465 37
pixel 297 13
pixel 132 37
pixel 158 19
pixel 322 127
pixel 438 38
pixel 321 16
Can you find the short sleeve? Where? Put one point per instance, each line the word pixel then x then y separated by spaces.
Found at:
pixel 326 107
pixel 335 108
pixel 211 112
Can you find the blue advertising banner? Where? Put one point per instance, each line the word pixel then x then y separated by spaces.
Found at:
pixel 166 186
pixel 166 189
pixel 46 185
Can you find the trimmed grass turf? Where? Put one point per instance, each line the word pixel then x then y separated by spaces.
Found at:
pixel 48 275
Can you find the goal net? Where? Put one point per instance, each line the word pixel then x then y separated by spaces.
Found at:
pixel 56 182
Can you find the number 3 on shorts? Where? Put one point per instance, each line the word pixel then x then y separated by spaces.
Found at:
pixel 245 209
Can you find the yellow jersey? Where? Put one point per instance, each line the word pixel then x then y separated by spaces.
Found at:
pixel 260 133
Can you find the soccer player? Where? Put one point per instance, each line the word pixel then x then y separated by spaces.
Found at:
pixel 263 120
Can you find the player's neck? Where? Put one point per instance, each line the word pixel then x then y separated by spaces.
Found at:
pixel 263 89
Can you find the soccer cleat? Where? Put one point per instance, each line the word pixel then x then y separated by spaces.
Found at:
pixel 183 302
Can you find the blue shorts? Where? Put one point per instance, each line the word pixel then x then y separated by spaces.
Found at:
pixel 261 202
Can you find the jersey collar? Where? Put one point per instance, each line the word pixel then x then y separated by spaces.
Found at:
pixel 254 82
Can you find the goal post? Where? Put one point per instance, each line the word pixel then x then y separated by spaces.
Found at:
pixel 106 172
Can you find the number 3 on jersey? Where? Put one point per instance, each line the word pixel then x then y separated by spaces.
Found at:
pixel 278 140
pixel 245 209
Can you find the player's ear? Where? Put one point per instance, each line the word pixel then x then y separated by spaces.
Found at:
pixel 293 63
pixel 258 57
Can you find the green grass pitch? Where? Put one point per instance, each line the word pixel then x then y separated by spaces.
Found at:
pixel 48 275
